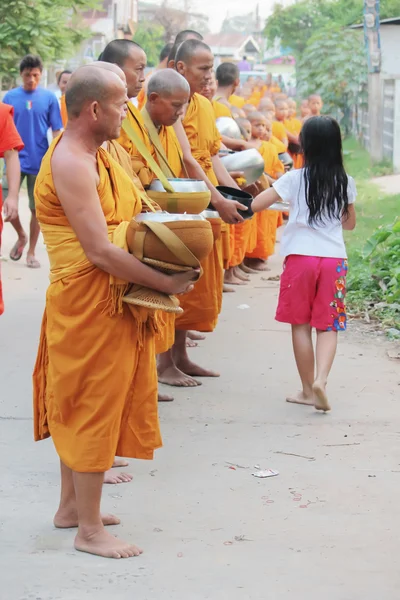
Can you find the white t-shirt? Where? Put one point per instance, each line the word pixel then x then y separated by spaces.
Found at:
pixel 321 239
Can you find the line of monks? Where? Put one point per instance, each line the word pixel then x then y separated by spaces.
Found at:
pixel 95 378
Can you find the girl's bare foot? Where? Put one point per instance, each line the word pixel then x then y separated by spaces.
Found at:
pixel 102 543
pixel 68 518
pixel 301 398
pixel 321 399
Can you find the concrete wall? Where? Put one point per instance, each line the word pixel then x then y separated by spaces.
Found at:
pixel 390 44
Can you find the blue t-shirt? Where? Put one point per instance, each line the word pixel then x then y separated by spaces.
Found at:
pixel 34 113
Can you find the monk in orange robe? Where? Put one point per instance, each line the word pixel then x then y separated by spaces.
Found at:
pixel 94 406
pixel 10 144
pixel 163 64
pixel 315 105
pixel 304 109
pixel 293 127
pixel 278 125
pixel 266 221
pixel 132 60
pixel 200 142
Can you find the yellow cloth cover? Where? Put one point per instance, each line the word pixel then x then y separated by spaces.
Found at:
pixel 95 379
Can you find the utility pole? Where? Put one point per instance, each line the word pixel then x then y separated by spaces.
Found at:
pixel 375 100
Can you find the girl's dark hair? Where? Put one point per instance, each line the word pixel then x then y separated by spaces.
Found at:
pixel 324 176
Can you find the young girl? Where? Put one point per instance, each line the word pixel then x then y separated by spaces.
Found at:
pixel 313 284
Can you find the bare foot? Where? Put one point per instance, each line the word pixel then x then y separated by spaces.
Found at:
pixel 119 462
pixel 18 248
pixel 32 262
pixel 240 274
pixel 257 264
pixel 247 269
pixel 165 398
pixel 104 544
pixel 175 377
pixel 190 368
pixel 321 399
pixel 191 343
pixel 68 518
pixel 227 290
pixel 114 478
pixel 301 398
pixel 195 335
pixel 230 278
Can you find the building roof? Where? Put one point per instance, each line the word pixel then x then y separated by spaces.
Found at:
pixel 229 43
pixel 392 21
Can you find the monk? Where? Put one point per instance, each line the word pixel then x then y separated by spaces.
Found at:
pixel 182 36
pixel 10 144
pixel 266 221
pixel 315 105
pixel 228 81
pixel 200 143
pixel 304 109
pixel 293 128
pixel 278 125
pixel 248 108
pixel 163 64
pixel 222 109
pixel 92 405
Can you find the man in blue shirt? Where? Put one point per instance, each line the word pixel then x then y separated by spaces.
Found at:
pixel 36 110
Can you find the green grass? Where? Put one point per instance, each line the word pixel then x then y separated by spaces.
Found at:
pixel 374 210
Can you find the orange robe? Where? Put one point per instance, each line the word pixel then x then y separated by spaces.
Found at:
pixel 237 101
pixel 9 140
pixel 142 95
pixel 266 221
pixel 280 146
pixel 279 131
pixel 220 110
pixel 95 378
pixel 173 152
pixel 63 111
pixel 294 126
pixel 203 305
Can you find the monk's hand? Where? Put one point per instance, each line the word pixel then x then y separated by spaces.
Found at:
pixel 228 209
pixel 182 283
pixel 236 174
pixel 10 208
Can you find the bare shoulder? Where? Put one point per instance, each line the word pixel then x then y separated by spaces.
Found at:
pixel 68 158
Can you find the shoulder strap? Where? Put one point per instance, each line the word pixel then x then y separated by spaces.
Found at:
pixel 173 243
pixel 142 148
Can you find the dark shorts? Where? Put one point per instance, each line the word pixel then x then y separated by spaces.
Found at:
pixel 30 182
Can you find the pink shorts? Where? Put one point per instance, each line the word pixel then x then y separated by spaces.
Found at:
pixel 313 291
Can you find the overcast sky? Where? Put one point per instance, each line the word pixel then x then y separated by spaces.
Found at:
pixel 217 9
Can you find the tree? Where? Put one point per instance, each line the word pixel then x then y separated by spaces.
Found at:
pixel 294 25
pixel 50 28
pixel 334 65
pixel 152 39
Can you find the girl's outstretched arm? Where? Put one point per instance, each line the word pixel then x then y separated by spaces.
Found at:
pixel 265 200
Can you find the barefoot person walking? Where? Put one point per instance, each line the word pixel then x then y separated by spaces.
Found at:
pixel 95 378
pixel 313 283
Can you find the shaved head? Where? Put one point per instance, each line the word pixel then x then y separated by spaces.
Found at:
pixel 166 83
pixel 110 67
pixel 118 51
pixel 256 116
pixel 187 34
pixel 189 49
pixel 89 84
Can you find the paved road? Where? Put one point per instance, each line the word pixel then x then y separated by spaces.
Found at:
pixel 326 527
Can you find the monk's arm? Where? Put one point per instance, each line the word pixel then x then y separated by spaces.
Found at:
pixel 292 137
pixel 222 174
pixel 81 204
pixel 234 144
pixel 13 171
pixel 226 208
pixel 265 200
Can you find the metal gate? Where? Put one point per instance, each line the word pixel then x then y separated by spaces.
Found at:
pixel 388 118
